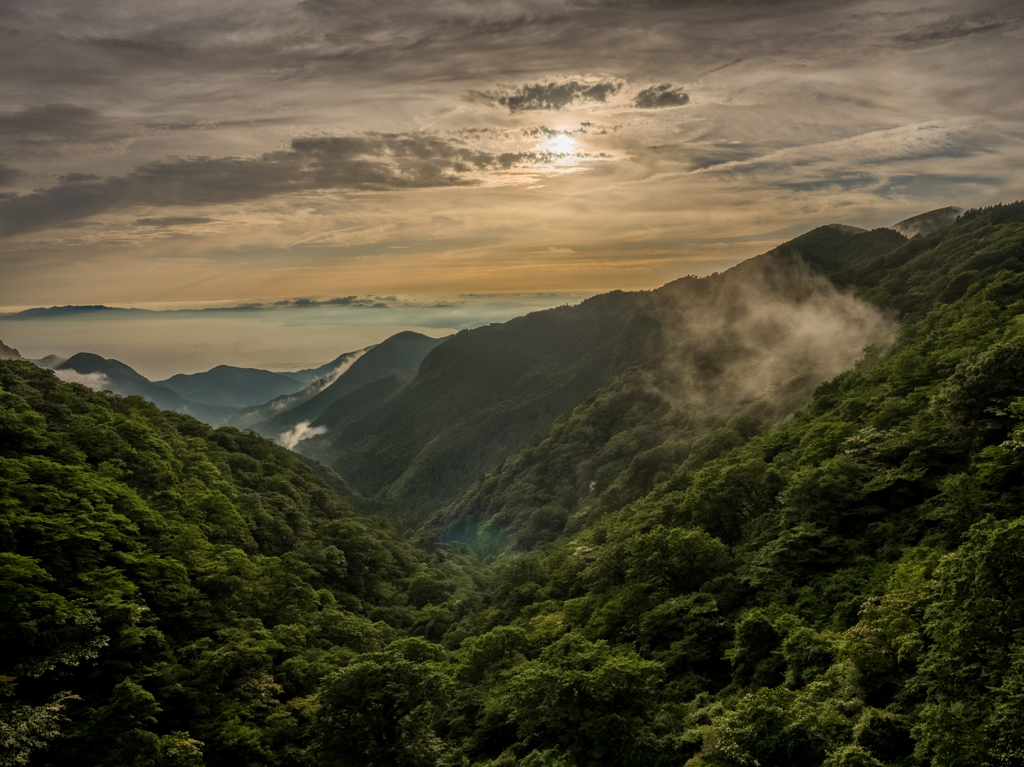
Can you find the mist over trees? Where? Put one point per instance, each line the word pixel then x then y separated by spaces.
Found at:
pixel 696 528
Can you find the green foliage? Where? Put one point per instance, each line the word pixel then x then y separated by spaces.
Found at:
pixel 378 711
pixel 971 671
pixel 589 700
pixel 676 570
pixel 191 588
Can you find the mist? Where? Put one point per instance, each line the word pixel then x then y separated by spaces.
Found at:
pixel 299 432
pixel 283 403
pixel 767 325
pixel 96 381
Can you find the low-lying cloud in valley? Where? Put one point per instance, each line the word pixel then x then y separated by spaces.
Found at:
pixel 301 431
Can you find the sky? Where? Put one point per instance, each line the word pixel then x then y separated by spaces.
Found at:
pixel 194 152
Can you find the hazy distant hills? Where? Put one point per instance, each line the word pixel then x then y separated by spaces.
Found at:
pixel 64 312
pixel 400 353
pixel 50 362
pixel 248 397
pixel 232 387
pixel 115 376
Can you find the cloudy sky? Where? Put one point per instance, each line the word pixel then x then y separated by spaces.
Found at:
pixel 196 151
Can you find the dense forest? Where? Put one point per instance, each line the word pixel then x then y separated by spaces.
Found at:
pixel 698 554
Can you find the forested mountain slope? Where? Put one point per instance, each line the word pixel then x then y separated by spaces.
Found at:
pixel 485 393
pixel 400 353
pixel 743 347
pixel 481 394
pixel 843 588
pixel 838 585
pixel 170 594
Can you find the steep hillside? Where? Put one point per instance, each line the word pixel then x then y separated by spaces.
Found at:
pixel 632 433
pixel 311 375
pixel 232 387
pixel 481 394
pixel 841 588
pixel 250 417
pixel 174 595
pixel 744 347
pixel 400 353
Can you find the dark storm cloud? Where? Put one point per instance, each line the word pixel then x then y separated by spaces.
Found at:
pixel 9 174
pixel 664 95
pixel 368 162
pixel 952 28
pixel 170 221
pixel 550 96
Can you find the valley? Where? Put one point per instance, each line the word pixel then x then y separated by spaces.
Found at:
pixel 770 516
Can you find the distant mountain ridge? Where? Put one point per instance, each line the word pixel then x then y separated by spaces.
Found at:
pixel 309 375
pixel 113 375
pixel 63 312
pixel 400 353
pixel 232 387
pixel 246 397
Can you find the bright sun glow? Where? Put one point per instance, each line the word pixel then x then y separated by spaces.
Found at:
pixel 561 145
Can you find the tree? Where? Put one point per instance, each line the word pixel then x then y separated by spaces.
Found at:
pixel 587 699
pixel 380 710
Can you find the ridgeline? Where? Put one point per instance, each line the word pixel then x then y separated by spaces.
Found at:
pixel 700 525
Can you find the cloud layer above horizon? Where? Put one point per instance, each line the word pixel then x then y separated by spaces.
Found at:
pixel 184 151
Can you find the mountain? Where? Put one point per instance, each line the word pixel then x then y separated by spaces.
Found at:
pixel 836 585
pixel 9 352
pixel 50 361
pixel 112 375
pixel 141 550
pixel 710 560
pixel 311 375
pixel 399 353
pixel 484 393
pixel 927 222
pixel 65 312
pixel 251 417
pixel 232 387
pixel 480 394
